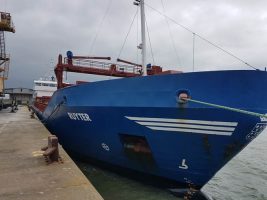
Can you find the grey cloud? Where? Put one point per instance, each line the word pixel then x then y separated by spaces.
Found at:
pixel 46 28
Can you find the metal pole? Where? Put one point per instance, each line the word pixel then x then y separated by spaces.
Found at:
pixel 143 29
pixel 194 51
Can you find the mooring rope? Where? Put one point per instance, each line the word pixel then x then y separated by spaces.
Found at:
pixel 226 108
pixel 55 110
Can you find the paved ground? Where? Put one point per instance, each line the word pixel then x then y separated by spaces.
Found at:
pixel 24 174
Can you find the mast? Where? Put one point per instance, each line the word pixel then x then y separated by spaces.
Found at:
pixel 143 30
pixel 142 46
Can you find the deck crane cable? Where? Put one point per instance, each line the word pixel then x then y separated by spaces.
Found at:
pixel 100 26
pixel 124 42
pixel 201 37
pixel 150 44
pixel 170 33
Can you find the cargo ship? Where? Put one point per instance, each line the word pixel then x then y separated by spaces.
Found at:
pixel 43 90
pixel 178 127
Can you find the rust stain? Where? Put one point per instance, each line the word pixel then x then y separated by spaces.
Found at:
pixel 206 144
pixel 231 149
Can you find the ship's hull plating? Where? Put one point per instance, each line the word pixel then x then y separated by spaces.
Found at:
pixel 138 123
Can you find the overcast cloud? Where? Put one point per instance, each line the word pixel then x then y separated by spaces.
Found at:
pixel 45 28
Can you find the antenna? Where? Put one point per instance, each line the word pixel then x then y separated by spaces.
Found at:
pixel 142 46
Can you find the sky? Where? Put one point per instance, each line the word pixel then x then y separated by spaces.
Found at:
pixel 46 28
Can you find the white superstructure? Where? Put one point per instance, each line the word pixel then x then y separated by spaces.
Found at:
pixel 44 88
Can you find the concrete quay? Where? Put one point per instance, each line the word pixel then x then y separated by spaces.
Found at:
pixel 24 174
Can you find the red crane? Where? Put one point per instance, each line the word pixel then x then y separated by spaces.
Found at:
pixel 89 65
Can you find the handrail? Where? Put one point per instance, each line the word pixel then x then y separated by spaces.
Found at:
pixel 104 65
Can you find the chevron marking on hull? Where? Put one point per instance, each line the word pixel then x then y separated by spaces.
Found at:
pixel 187 126
pixel 179 125
pixel 215 123
pixel 190 130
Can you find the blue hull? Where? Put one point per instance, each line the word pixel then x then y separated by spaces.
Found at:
pixel 137 123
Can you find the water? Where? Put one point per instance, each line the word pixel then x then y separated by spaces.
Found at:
pixel 115 187
pixel 244 178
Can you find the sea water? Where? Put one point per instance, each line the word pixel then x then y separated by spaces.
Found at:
pixel 243 178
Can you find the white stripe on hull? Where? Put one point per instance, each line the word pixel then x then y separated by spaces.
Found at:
pixel 184 121
pixel 187 126
pixel 179 125
pixel 190 131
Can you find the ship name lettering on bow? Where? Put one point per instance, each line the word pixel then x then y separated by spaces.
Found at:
pixel 79 116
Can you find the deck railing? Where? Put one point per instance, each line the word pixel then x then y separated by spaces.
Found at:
pixel 104 65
